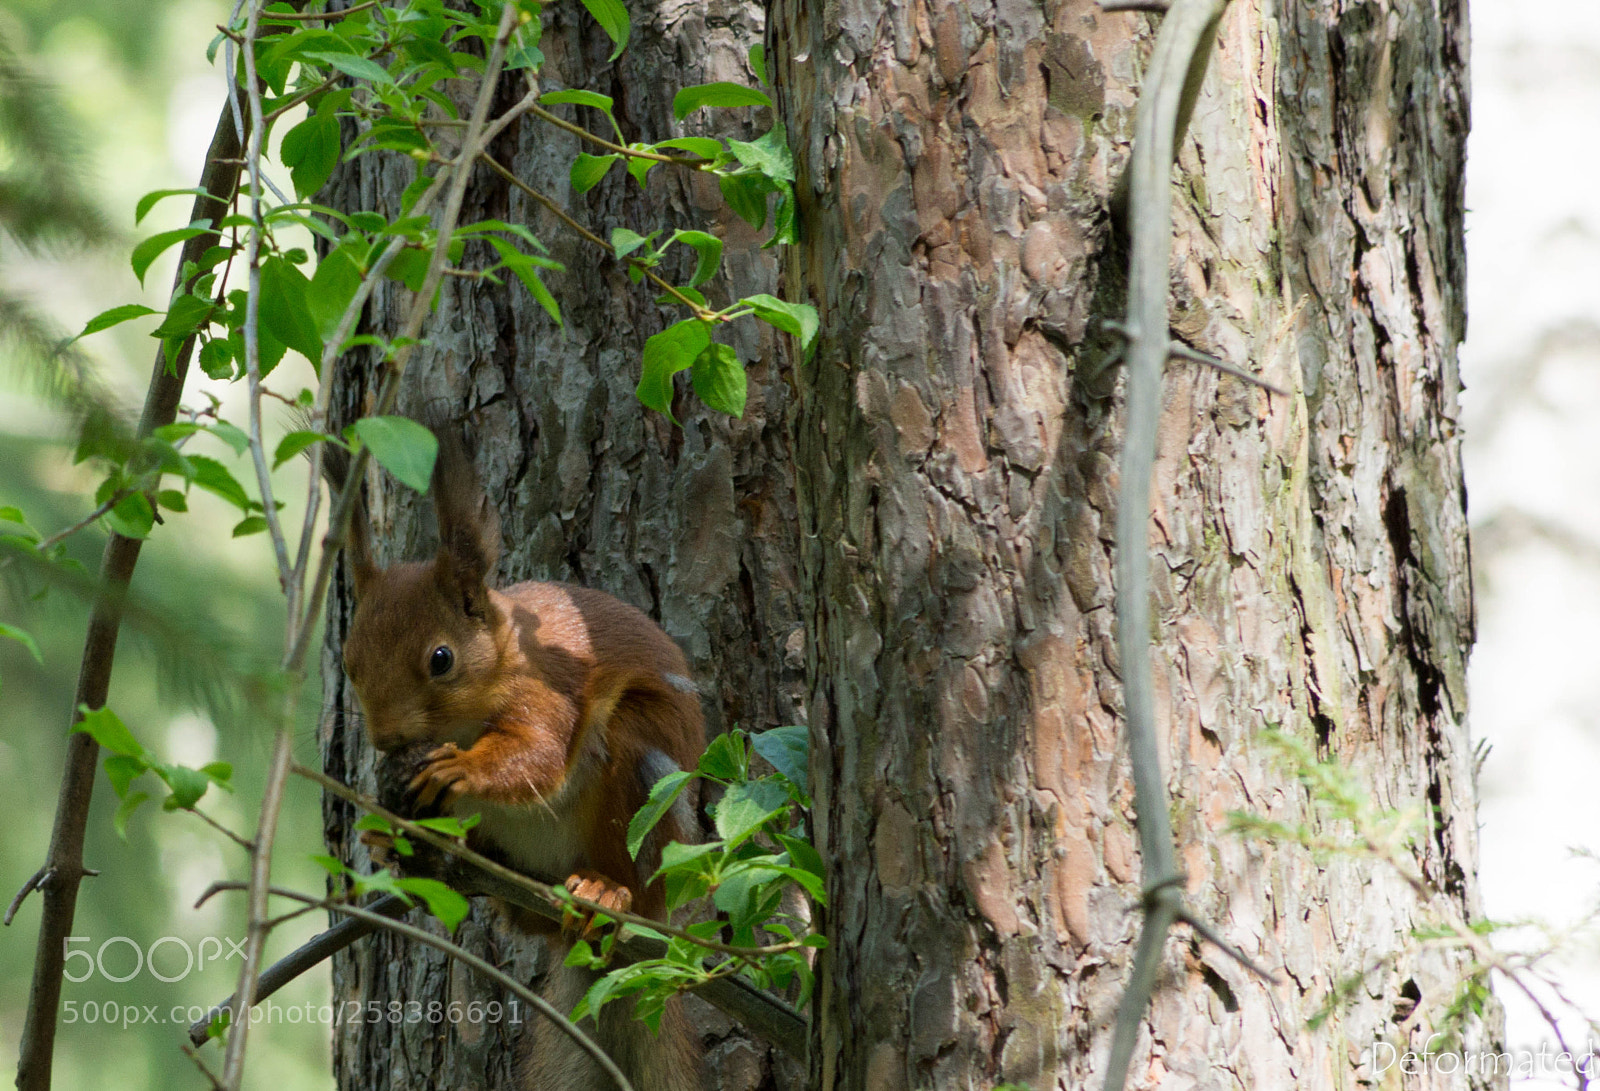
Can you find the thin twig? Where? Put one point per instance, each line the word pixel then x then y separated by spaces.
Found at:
pixel 460 954
pixel 275 16
pixel 1180 58
pixel 35 882
pixel 703 313
pixel 616 149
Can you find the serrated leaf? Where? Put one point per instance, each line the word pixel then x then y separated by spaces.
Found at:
pixel 104 727
pixel 292 444
pixel 115 316
pixel 719 94
pixel 724 759
pixel 666 354
pixel 23 637
pixel 334 284
pixel 402 446
pixel 663 794
pixel 285 312
pixel 613 19
pixel 708 249
pixel 311 151
pixel 188 314
pixel 786 749
pixel 230 434
pixel 758 62
pixel 745 808
pixel 214 477
pixel 719 379
pixel 588 170
pixel 153 247
pixel 216 358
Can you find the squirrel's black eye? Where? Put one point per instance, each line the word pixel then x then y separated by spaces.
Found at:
pixel 440 662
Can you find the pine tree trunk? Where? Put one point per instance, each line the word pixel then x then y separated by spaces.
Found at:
pixel 956 441
pixel 693 525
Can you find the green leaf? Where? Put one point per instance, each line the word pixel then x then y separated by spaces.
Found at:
pixel 709 249
pixel 214 477
pixel 285 311
pixel 803 853
pixel 724 759
pixel 148 201
pixel 23 637
pixel 311 151
pixel 334 284
pixel 124 811
pixel 523 266
pixel 331 864
pixel 230 434
pixel 769 154
pixel 666 354
pixel 587 170
pixel 625 242
pixel 220 772
pixel 356 67
pixel 787 749
pixel 104 727
pixel 450 827
pixel 122 770
pixel 799 319
pixel 250 524
pixel 116 315
pixel 402 446
pixel 703 146
pixel 746 193
pixel 153 247
pixel 613 19
pixel 758 62
pixel 446 904
pixel 216 358
pixel 578 98
pixel 132 517
pixel 663 795
pixel 187 785
pixel 721 94
pixel 172 500
pixel 745 808
pixel 187 315
pixel 719 379
pixel 292 444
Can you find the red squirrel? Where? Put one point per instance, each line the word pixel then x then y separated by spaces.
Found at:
pixel 551 710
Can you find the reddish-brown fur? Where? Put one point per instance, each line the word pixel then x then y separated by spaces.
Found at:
pixel 559 707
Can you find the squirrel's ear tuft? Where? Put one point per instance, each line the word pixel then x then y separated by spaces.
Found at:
pixel 469 526
pixel 358 540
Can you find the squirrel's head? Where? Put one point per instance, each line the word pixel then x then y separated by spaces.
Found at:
pixel 427 642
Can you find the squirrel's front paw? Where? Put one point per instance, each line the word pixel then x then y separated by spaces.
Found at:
pixel 443 778
pixel 591 886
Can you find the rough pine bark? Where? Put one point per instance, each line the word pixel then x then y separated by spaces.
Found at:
pixel 956 441
pixel 693 525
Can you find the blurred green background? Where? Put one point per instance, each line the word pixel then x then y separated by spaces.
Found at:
pixel 137 103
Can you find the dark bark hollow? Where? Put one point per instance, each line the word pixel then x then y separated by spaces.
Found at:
pixel 955 458
pixel 696 526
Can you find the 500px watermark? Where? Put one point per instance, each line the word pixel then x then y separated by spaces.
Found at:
pixel 111 1013
pixel 80 965
pixel 1523 1062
